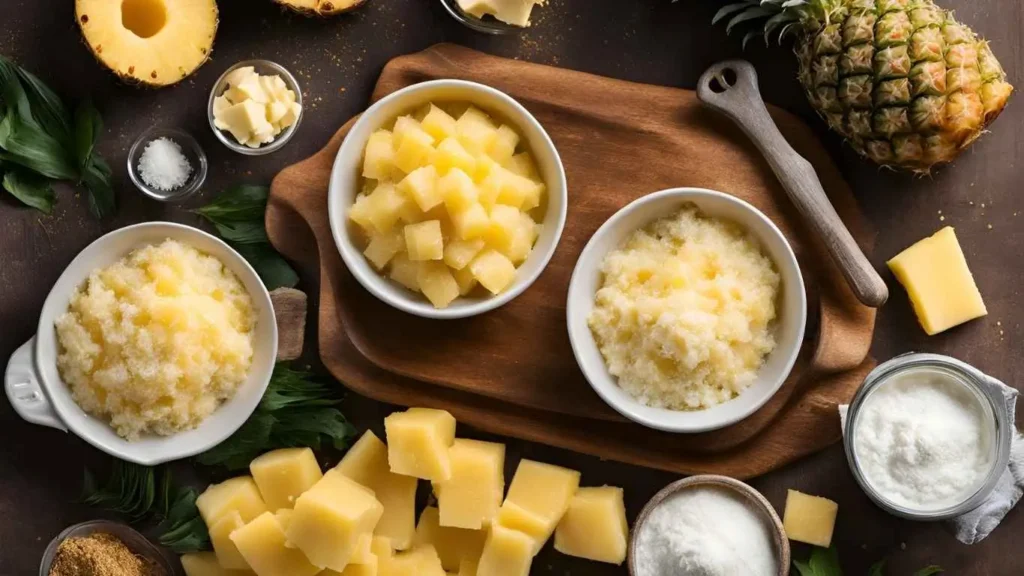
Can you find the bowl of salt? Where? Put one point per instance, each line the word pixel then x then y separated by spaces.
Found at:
pixel 167 164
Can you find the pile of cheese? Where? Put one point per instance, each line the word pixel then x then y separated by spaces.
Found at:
pixel 448 203
pixel 255 108
pixel 358 518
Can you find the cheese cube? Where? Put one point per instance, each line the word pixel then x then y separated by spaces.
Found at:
pixel 383 247
pixel 238 75
pixel 472 222
pixel 438 123
pixel 330 517
pixel 941 287
pixel 239 494
pixel 523 165
pixel 451 154
pixel 543 492
pixel 366 462
pixel 284 519
pixel 468 568
pixel 494 270
pixel 471 497
pixel 504 144
pixel 421 186
pixel 418 443
pixel 368 569
pixel 227 553
pixel 594 527
pixel 405 272
pixel 459 253
pixel 384 208
pixel 381 547
pixel 453 545
pixel 505 222
pixel 282 475
pixel 506 553
pixel 420 561
pixel 262 544
pixel 465 279
pixel 246 118
pixel 413 147
pixel 809 519
pixel 515 517
pixel 362 553
pixel 424 241
pixel 458 190
pixel 475 130
pixel 205 564
pixel 379 157
pixel 437 283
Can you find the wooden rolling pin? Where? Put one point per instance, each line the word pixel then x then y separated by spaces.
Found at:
pixel 731 88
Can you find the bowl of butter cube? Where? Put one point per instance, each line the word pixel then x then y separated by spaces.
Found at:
pixel 255 107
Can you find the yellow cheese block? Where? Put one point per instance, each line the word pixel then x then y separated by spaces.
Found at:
pixel 418 443
pixel 809 519
pixel 330 517
pixel 282 475
pixel 594 527
pixel 468 568
pixel 471 497
pixel 420 561
pixel 515 517
pixel 239 494
pixel 507 552
pixel 941 287
pixel 537 498
pixel 453 545
pixel 262 544
pixel 366 462
pixel 363 553
pixel 227 553
pixel 205 564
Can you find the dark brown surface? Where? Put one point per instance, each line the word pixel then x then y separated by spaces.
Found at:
pixel 651 41
pixel 523 380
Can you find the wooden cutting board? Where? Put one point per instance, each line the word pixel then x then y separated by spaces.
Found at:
pixel 512 371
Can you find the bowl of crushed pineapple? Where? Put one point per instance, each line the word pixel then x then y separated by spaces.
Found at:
pixel 447 199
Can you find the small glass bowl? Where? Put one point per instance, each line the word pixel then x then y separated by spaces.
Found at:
pixel 486 25
pixel 135 542
pixel 978 384
pixel 264 67
pixel 189 147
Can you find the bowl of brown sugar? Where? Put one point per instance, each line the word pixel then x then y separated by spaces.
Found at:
pixel 103 548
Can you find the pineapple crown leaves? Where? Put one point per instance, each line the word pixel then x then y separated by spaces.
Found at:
pixel 784 17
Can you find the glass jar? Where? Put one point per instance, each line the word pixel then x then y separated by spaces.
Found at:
pixel 982 387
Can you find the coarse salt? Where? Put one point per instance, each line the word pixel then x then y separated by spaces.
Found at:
pixel 163 166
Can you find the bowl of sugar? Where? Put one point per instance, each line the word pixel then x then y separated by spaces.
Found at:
pixel 708 524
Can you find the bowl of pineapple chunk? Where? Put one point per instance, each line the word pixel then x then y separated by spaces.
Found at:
pixel 447 199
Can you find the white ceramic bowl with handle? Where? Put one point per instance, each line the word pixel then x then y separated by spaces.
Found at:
pixel 346 178
pixel 39 395
pixel 789 328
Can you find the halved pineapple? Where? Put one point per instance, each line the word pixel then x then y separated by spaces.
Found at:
pixel 321 7
pixel 151 42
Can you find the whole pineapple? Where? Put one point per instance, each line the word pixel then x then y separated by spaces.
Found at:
pixel 902 80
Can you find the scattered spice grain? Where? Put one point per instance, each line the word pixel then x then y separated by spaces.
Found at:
pixel 100 554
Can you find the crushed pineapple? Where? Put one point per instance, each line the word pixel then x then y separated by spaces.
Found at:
pixel 450 201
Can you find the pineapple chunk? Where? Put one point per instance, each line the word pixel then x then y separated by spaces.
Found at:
pixel 504 144
pixel 424 241
pixel 386 205
pixel 459 253
pixel 523 165
pixel 505 222
pixel 475 130
pixel 359 213
pixel 437 284
pixel 491 185
pixel 465 279
pixel 383 247
pixel 520 191
pixel 403 126
pixel 451 154
pixel 494 270
pixel 413 145
pixel 379 156
pixel 457 190
pixel 472 222
pixel 405 272
pixel 484 167
pixel 522 240
pixel 421 186
pixel 438 123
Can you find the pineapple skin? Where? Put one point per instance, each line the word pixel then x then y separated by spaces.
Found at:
pixel 321 8
pixel 905 83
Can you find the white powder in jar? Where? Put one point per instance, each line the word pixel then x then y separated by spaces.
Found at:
pixel 163 166
pixel 706 531
pixel 923 440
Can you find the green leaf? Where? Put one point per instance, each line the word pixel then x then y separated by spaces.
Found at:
pixel 241 203
pixel 929 570
pixel 825 562
pixel 747 15
pixel 47 108
pixel 88 126
pixel 241 447
pixel 877 569
pixel 13 93
pixel 243 231
pixel 183 529
pixel 130 491
pixel 803 568
pixel 30 189
pixel 28 145
pixel 97 180
pixel 728 9
pixel 272 268
pixel 307 427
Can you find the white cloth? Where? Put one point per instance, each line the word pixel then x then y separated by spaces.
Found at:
pixel 974 526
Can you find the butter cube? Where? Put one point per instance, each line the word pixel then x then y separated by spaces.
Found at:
pixel 220 104
pixel 250 88
pixel 506 553
pixel 330 517
pixel 238 75
pixel 493 270
pixel 438 123
pixel 366 462
pixel 424 241
pixel 542 492
pixel 405 271
pixel 472 222
pixel 282 475
pixel 227 553
pixel 379 157
pixel 421 186
pixel 291 115
pixel 809 519
pixel 459 253
pixel 451 154
pixel 437 283
pixel 418 443
pixel 475 130
pixel 594 527
pixel 383 247
pixel 471 497
pixel 239 494
pixel 504 144
pixel 246 118
pixel 453 545
pixel 262 544
pixel 205 564
pixel 941 287
pixel 514 12
pixel 420 561
pixel 458 190
pixel 276 111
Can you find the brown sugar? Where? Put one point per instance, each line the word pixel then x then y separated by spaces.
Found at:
pixel 99 554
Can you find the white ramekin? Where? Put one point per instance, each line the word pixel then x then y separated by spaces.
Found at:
pixel 345 185
pixel 791 322
pixel 39 395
